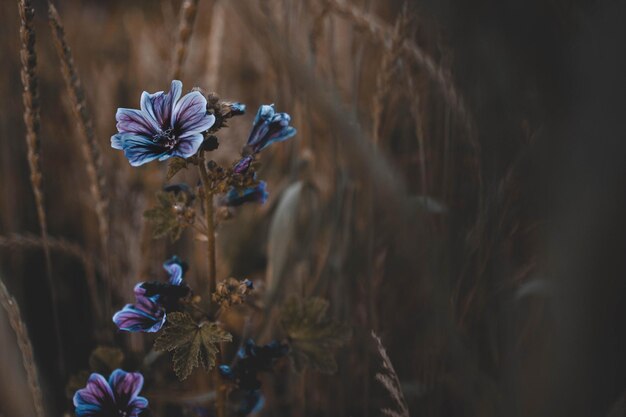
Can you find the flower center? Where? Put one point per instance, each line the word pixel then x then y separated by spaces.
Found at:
pixel 166 138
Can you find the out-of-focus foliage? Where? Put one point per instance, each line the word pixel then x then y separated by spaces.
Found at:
pixel 312 334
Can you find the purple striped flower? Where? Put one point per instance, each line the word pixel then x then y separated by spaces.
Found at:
pixel 146 315
pixel 119 396
pixel 268 127
pixel 164 127
pixel 154 300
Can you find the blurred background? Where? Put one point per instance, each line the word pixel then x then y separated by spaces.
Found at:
pixel 457 185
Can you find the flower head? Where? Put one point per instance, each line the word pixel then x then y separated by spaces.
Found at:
pixel 164 127
pixel 153 300
pixel 167 294
pixel 116 397
pixel 269 127
pixel 256 194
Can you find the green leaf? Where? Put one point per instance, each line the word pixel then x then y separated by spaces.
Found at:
pixel 104 359
pixel 193 344
pixel 174 165
pixel 313 336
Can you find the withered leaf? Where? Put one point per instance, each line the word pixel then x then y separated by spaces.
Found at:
pixel 193 344
pixel 313 336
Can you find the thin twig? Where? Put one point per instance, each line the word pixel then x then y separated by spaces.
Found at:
pixel 26 348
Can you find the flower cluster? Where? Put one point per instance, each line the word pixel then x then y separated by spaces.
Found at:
pixel 182 128
pixel 153 300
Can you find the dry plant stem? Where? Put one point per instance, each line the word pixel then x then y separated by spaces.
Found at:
pixel 89 145
pixel 23 342
pixel 188 11
pixel 30 97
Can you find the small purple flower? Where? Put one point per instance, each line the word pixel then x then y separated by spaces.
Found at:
pixel 268 127
pixel 153 300
pixel 164 127
pixel 116 397
pixel 145 315
pixel 256 194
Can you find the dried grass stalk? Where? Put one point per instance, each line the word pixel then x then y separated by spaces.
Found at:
pixel 216 40
pixel 384 34
pixel 390 381
pixel 188 12
pixel 30 97
pixel 89 146
pixel 387 71
pixel 26 348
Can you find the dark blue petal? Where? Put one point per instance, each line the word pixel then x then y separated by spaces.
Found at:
pixel 139 149
pixel 237 109
pixel 256 194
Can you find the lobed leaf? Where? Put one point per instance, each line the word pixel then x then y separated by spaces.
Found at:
pixel 193 344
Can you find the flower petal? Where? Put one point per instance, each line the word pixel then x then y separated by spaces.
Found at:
pixel 265 112
pixel 190 114
pixel 135 121
pixel 175 268
pixel 188 145
pixel 94 398
pixel 125 385
pixel 162 104
pixel 143 316
pixel 138 149
pixel 117 141
pixel 139 290
pixel 236 197
pixel 136 406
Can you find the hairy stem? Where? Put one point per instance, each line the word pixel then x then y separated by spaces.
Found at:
pixel 210 225
pixel 210 231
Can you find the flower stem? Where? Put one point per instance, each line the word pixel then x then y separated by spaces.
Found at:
pixel 210 225
pixel 210 232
